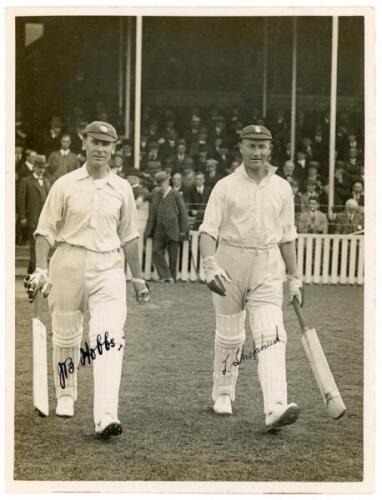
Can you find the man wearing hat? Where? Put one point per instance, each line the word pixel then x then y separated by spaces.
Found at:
pixel 167 225
pixel 251 213
pixel 32 194
pixel 90 216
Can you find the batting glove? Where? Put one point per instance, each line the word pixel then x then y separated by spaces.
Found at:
pixel 38 279
pixel 295 289
pixel 215 276
pixel 142 290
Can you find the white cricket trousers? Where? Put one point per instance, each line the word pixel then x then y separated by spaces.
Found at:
pixel 256 288
pixel 80 279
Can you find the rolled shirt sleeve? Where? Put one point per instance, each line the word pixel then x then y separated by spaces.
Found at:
pixel 51 214
pixel 287 217
pixel 213 214
pixel 128 226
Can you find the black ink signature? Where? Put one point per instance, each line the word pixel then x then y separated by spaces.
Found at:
pixel 87 354
pixel 241 356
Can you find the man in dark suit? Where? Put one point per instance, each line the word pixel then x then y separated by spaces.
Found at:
pixel 351 220
pixel 50 139
pixel 167 225
pixel 33 191
pixel 63 161
pixel 199 195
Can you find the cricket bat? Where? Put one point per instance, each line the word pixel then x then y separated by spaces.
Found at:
pixel 320 367
pixel 40 363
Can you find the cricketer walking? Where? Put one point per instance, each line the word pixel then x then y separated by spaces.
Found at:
pixel 250 214
pixel 90 216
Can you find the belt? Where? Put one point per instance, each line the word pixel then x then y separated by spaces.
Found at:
pixel 247 247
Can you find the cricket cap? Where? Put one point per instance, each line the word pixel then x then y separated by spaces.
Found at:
pixel 102 131
pixel 255 132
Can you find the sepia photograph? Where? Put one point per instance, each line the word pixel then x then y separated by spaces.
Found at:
pixel 190 250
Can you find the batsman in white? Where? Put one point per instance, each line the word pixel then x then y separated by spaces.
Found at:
pixel 90 215
pixel 250 214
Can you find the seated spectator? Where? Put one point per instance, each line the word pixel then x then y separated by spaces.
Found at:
pixel 352 144
pixel 62 161
pixel 297 197
pixel 212 173
pixel 180 154
pixel 152 154
pixel 341 184
pixel 351 220
pixel 117 165
pixel 313 172
pixel 78 139
pixel 313 220
pixel 50 139
pixel 167 147
pixel 192 135
pixel 320 147
pixel 198 198
pixel 128 154
pixel 232 167
pixel 354 163
pixel 168 167
pixel 141 194
pixel 301 165
pixel 33 191
pixel 201 158
pixel 357 194
pixel 219 129
pixel 25 167
pixel 287 170
pixel 312 191
pixel 200 141
pixel 188 173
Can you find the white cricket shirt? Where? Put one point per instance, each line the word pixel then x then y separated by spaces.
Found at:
pixel 99 215
pixel 245 213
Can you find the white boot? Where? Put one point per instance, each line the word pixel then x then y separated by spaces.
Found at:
pixel 223 405
pixel 280 416
pixel 65 407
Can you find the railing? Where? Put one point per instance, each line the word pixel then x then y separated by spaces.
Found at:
pixel 321 259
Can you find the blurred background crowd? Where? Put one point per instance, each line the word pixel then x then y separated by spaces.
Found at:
pixel 195 148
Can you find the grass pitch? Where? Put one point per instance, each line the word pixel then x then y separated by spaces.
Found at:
pixel 170 432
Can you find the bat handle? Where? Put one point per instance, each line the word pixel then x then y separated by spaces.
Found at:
pixel 299 314
pixel 38 304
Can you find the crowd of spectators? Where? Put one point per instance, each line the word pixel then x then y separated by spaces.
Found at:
pixel 196 147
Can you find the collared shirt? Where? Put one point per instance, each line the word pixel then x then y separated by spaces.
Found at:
pixel 64 152
pixel 29 165
pixel 246 213
pixel 166 192
pixel 99 215
pixel 39 179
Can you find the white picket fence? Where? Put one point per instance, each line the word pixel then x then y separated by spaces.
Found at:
pixel 321 259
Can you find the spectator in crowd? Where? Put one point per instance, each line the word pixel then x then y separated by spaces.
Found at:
pixel 301 165
pixel 341 184
pixel 62 161
pixel 313 220
pixel 219 129
pixel 141 194
pixel 232 167
pixel 77 140
pixel 180 154
pixel 312 191
pixel 288 170
pixel 152 154
pixel 117 164
pixel 33 191
pixel 212 173
pixel 320 146
pixel 352 144
pixel 176 183
pixel 167 147
pixel 313 172
pixel 25 168
pixel 168 225
pixel 297 197
pixel 198 196
pixel 21 135
pixel 354 163
pixel 200 142
pixel 351 220
pixel 188 173
pixel 50 139
pixel 357 193
pixel 152 168
pixel 192 134
pixel 128 155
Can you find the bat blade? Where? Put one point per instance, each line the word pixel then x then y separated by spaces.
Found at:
pixel 323 374
pixel 40 368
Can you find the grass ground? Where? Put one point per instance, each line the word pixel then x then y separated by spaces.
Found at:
pixel 170 432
